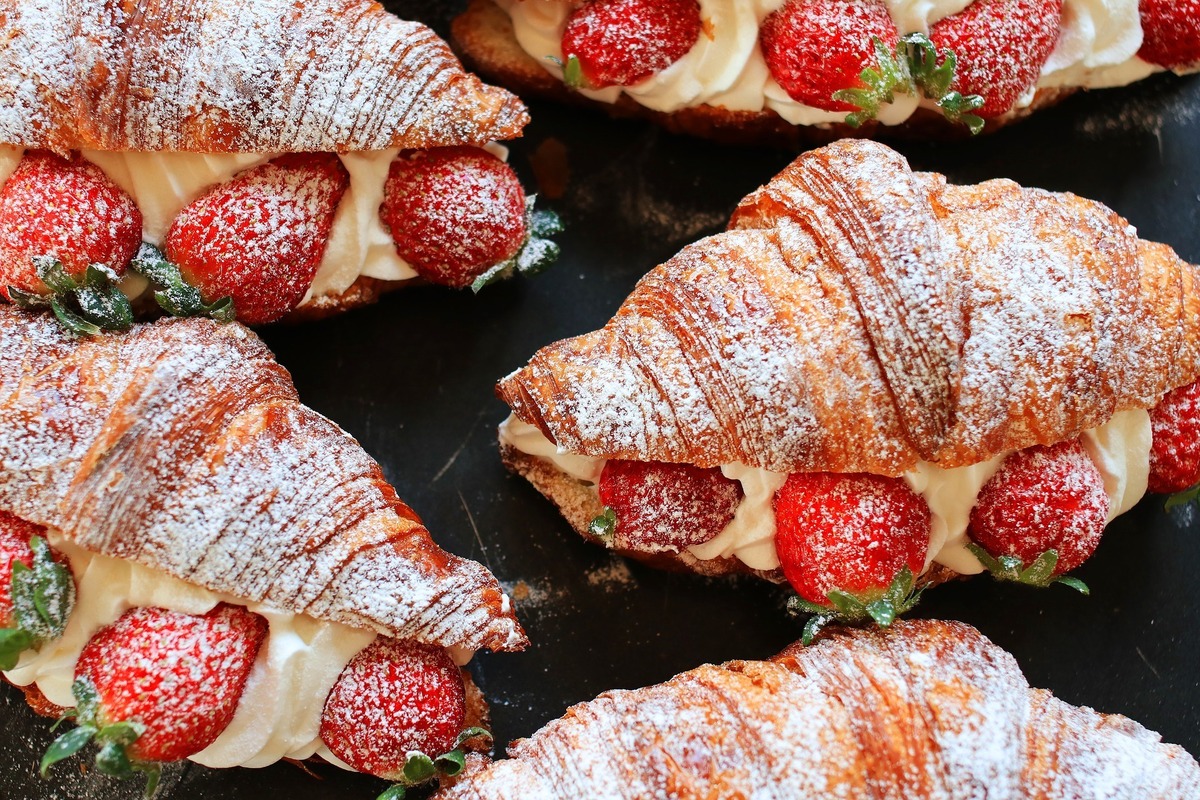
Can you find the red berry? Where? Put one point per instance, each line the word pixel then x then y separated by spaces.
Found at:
pixel 453 212
pixel 68 209
pixel 260 237
pixel 393 698
pixel 666 507
pixel 1001 47
pixel 1171 30
pixel 1175 443
pixel 1042 498
pixel 623 42
pixel 15 534
pixel 817 47
pixel 178 674
pixel 854 533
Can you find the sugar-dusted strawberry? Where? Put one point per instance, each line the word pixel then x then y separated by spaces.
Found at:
pixel 37 591
pixel 623 42
pixel 815 48
pixel 257 238
pixel 159 685
pixel 1040 515
pixel 67 234
pixel 1171 33
pixel 396 700
pixel 654 507
pixel 851 544
pixel 459 216
pixel 1175 442
pixel 1001 46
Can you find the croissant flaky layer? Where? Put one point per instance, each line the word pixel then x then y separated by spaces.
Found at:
pixel 182 446
pixel 859 317
pixel 926 709
pixel 262 76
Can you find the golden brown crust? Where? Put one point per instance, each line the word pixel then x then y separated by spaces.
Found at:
pixel 926 709
pixel 859 317
pixel 268 76
pixel 181 445
pixel 483 34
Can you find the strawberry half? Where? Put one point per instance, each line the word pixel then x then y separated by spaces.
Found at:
pixel 850 545
pixel 1040 515
pixel 815 48
pixel 1175 442
pixel 1001 46
pixel 257 238
pixel 397 711
pixel 623 42
pixel 459 216
pixel 654 507
pixel 37 592
pixel 159 685
pixel 1171 33
pixel 67 234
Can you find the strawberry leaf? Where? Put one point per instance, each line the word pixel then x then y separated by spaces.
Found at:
pixel 395 792
pixel 66 746
pixel 814 627
pixel 882 611
pixel 604 526
pixel 469 734
pixel 535 254
pixel 1074 583
pixel 173 294
pixel 572 72
pixel 451 764
pixel 1038 573
pixel 850 606
pixel 13 642
pixel 881 82
pixel 418 769
pixel 798 605
pixel 44 596
pixel 1174 501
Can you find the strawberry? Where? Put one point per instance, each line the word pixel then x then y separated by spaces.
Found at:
pixel 159 685
pixel 655 507
pixel 1171 30
pixel 1001 46
pixel 1175 442
pixel 623 42
pixel 67 234
pixel 850 544
pixel 397 712
pixel 458 215
pixel 37 592
pixel 1040 515
pixel 815 48
pixel 257 238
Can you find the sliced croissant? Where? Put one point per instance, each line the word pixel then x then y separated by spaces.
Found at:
pixel 182 446
pixel 861 317
pixel 926 709
pixel 211 77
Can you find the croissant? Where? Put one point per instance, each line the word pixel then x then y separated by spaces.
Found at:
pixel 781 73
pixel 174 466
pixel 859 317
pixel 174 102
pixel 926 709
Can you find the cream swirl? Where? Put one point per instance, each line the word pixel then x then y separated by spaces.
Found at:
pixel 1120 449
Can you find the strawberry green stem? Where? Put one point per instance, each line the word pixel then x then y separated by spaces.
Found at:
pixel 84 307
pixel 420 768
pixel 173 294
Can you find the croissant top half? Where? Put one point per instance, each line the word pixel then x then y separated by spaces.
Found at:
pixel 236 76
pixel 859 316
pixel 926 710
pixel 182 446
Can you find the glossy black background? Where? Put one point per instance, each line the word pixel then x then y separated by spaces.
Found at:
pixel 412 378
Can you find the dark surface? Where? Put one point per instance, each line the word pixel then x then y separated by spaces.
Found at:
pixel 412 379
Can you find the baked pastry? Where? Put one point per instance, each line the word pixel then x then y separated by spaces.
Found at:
pixel 174 472
pixel 869 365
pixel 926 709
pixel 769 71
pixel 266 148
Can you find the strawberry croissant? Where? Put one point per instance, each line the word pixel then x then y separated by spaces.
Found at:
pixel 872 380
pixel 169 501
pixel 127 187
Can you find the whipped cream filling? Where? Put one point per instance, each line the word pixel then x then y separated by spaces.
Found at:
pixel 279 714
pixel 163 183
pixel 1120 449
pixel 1097 48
